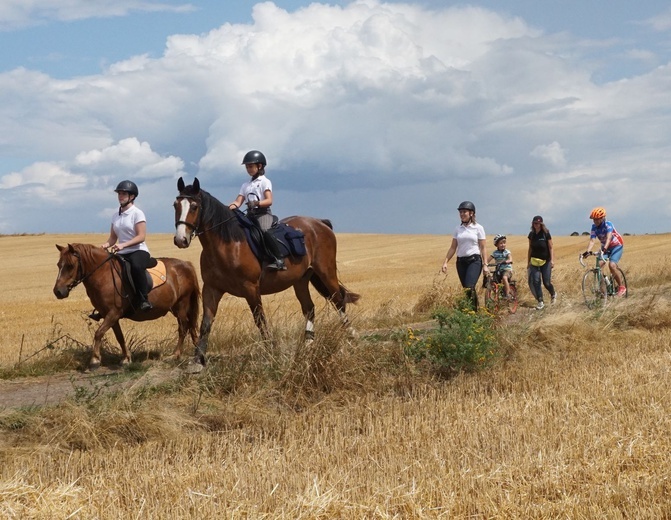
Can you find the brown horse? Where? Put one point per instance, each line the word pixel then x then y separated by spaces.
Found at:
pixel 101 274
pixel 228 265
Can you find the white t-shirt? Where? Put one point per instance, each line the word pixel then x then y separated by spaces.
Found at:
pixel 124 228
pixel 256 189
pixel 467 239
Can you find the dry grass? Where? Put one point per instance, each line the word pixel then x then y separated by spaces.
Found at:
pixel 573 423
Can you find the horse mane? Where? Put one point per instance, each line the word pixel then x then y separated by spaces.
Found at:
pixel 88 252
pixel 218 218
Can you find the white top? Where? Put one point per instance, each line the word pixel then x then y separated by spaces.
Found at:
pixel 255 189
pixel 124 228
pixel 467 239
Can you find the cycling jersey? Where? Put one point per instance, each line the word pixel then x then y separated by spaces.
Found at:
pixel 601 231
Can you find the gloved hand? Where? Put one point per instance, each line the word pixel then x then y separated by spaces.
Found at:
pixel 585 254
pixel 251 204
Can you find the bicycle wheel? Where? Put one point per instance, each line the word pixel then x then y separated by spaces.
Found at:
pixel 513 303
pixel 624 281
pixel 591 288
pixel 490 290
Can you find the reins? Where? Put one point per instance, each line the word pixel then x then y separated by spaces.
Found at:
pixel 80 269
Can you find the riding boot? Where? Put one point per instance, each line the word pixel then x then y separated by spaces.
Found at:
pixel 273 250
pixel 145 304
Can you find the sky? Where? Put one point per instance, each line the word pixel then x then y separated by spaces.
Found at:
pixel 381 116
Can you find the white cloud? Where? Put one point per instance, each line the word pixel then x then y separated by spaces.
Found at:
pixel 387 99
pixel 552 154
pixel 24 13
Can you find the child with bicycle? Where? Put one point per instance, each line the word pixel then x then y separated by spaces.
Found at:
pixel 612 244
pixel 503 260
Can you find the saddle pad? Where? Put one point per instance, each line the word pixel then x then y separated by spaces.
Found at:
pixel 157 274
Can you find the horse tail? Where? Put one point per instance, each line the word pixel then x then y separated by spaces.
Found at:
pixel 347 296
pixel 327 222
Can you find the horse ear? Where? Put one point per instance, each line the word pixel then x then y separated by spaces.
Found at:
pixel 196 184
pixel 60 248
pixel 71 249
pixel 180 185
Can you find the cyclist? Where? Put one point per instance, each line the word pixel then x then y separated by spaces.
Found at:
pixel 612 244
pixel 503 260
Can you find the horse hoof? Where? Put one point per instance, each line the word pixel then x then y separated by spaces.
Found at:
pixel 352 333
pixel 94 365
pixel 309 341
pixel 125 361
pixel 194 367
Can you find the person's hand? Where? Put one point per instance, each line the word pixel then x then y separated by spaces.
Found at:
pixel 585 254
pixel 116 248
pixel 251 204
pixel 443 269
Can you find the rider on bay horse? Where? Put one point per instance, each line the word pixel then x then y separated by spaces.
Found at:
pixel 257 193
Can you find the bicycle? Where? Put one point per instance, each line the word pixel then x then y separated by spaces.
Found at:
pixel 495 291
pixel 598 287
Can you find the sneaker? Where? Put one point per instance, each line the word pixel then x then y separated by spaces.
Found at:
pixel 146 306
pixel 622 291
pixel 554 298
pixel 540 305
pixel 95 315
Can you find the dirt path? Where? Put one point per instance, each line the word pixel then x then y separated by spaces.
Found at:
pixel 51 390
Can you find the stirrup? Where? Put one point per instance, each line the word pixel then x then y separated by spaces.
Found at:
pixel 277 265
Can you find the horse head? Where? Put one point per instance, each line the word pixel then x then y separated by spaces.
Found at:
pixel 187 211
pixel 69 271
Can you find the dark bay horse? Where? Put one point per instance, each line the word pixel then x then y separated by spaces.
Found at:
pixel 228 265
pixel 100 272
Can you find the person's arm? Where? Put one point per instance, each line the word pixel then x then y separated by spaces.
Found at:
pixel 606 244
pixel 529 254
pixel 111 240
pixel 237 202
pixel 450 254
pixel 268 199
pixel 551 249
pixel 509 258
pixel 590 245
pixel 140 234
pixel 483 253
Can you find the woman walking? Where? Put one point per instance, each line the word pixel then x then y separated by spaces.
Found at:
pixel 468 243
pixel 540 261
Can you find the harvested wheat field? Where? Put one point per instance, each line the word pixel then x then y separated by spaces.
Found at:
pixel 570 419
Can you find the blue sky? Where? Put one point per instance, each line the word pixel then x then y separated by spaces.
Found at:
pixel 381 116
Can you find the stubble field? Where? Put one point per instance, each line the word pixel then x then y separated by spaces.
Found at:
pixel 572 422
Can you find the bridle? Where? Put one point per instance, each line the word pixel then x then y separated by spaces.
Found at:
pixel 81 276
pixel 195 232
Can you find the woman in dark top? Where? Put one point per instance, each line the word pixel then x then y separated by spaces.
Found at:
pixel 540 261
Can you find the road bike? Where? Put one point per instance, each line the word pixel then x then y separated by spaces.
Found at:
pixel 598 287
pixel 495 291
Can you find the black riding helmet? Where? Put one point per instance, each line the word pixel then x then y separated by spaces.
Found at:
pixel 128 187
pixel 467 204
pixel 254 157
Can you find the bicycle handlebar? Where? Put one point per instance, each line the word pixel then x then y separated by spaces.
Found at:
pixel 591 253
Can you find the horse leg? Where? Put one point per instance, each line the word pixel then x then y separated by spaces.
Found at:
pixel 108 322
pixel 256 306
pixel 326 283
pixel 180 311
pixel 211 298
pixel 302 291
pixel 122 343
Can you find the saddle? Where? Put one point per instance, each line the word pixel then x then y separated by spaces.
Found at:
pixel 291 241
pixel 155 272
